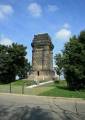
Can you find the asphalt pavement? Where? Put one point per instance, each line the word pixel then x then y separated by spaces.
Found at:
pixel 24 107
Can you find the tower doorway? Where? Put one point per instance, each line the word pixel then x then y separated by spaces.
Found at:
pixel 38 73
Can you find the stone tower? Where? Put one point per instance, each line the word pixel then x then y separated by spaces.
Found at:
pixel 42 57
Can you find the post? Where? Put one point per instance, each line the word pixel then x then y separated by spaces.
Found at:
pixel 23 88
pixel 10 87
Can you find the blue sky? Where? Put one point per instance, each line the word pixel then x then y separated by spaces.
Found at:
pixel 21 19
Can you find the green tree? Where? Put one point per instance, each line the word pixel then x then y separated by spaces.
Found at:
pixel 24 70
pixel 4 63
pixel 12 60
pixel 58 63
pixel 74 61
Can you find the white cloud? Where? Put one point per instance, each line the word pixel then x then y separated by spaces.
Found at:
pixel 66 25
pixel 35 9
pixel 5 11
pixel 5 41
pixel 52 8
pixel 63 34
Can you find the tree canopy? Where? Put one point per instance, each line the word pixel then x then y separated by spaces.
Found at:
pixel 12 61
pixel 73 58
pixel 59 64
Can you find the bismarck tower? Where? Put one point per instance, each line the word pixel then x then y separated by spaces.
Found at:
pixel 42 58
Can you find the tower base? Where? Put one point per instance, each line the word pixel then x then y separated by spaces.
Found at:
pixel 41 75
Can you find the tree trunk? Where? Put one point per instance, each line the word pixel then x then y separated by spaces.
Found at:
pixel 59 77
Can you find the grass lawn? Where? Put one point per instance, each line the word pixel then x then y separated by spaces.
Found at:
pixel 16 87
pixel 58 89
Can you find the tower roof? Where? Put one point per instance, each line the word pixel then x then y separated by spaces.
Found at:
pixel 41 40
pixel 42 37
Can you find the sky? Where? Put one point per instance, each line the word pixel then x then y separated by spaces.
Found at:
pixel 20 20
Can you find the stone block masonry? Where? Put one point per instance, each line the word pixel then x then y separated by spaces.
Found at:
pixel 42 58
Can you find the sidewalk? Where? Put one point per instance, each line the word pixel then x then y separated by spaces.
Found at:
pixel 40 84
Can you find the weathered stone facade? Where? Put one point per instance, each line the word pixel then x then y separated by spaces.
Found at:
pixel 42 57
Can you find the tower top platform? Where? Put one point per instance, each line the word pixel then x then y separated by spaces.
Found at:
pixel 42 40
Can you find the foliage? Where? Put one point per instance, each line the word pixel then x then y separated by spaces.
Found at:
pixel 12 60
pixel 59 64
pixel 74 61
pixel 23 71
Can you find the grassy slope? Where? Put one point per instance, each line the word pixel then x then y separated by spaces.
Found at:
pixel 60 90
pixel 16 86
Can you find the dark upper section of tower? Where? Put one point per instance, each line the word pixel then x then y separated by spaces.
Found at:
pixel 42 40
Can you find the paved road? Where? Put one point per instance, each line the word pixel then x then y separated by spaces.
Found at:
pixel 21 107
